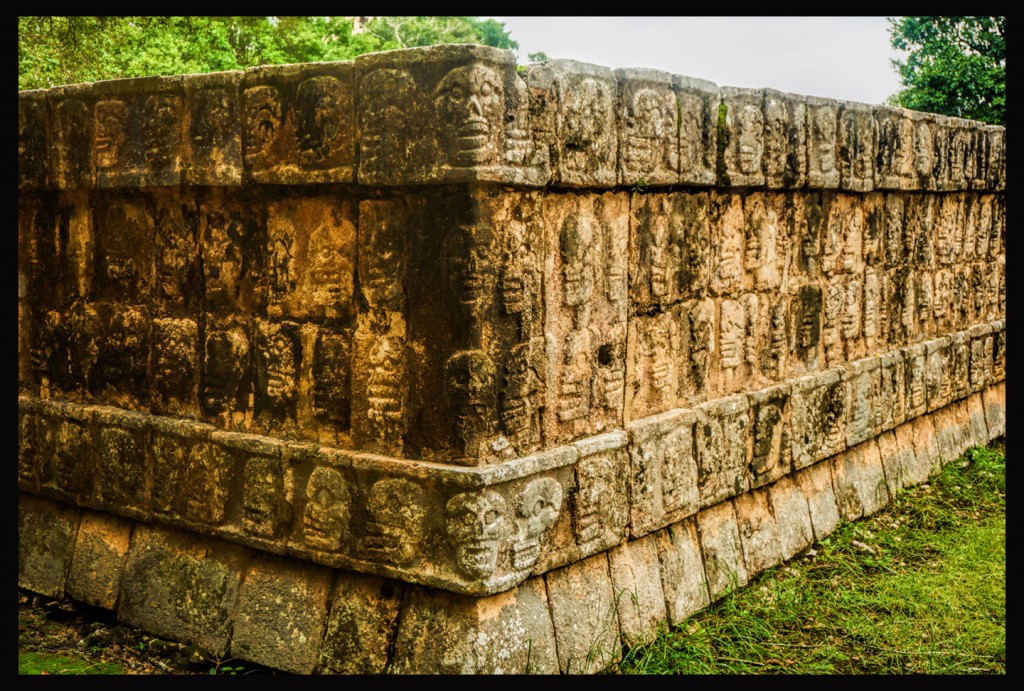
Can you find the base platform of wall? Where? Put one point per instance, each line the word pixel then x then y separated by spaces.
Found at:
pixel 304 618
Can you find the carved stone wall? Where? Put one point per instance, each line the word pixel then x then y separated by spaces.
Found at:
pixel 424 318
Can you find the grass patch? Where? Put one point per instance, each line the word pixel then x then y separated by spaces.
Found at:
pixel 917 588
pixel 47 663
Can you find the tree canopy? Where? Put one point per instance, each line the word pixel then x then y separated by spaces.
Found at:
pixel 955 66
pixel 68 50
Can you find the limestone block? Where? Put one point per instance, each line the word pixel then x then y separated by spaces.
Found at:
pixel 957 174
pixel 792 517
pixel 663 471
pixel 892 410
pixel 599 505
pixel 299 123
pixel 941 144
pixel 34 134
pixel 182 586
pixel 281 614
pixel 816 483
pixel 785 140
pixel 723 443
pixel 175 367
pixel 137 131
pixel 863 399
pixel 71 157
pixel 822 144
pixel 893 462
pixel 959 365
pixel 443 633
pixel 586 330
pixel 959 428
pixel 997 157
pixel 860 481
pixel 360 625
pixel 803 221
pixel 98 562
pixel 819 417
pixel 770 412
pixel 897 247
pixel 916 465
pixel 926 444
pixel 123 476
pixel 213 141
pixel 842 249
pixel 66 438
pixel 759 534
pixel 978 428
pixel 31 461
pixel 894 164
pixel 265 510
pixel 982 354
pixel 233 237
pixel 124 343
pixel 583 611
pixel 737 360
pixel 915 364
pixel 806 314
pixel 873 208
pixel 278 364
pixel 722 549
pixel 742 137
pixel 766 242
pixel 726 261
pixel 698 129
pixel 922 153
pixel 182 457
pixel 655 345
pixel 636 582
pixel 46 542
pixel 994 399
pixel 682 570
pixel 446 114
pixel 648 127
pixel 322 507
pixel 663 259
pixel 124 240
pixel 697 326
pixel 937 380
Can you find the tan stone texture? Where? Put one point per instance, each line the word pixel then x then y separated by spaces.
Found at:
pixel 859 481
pixel 816 483
pixel 46 543
pixel 994 399
pixel 682 570
pixel 792 516
pixel 639 595
pixel 98 561
pixel 361 625
pixel 583 610
pixel 758 530
pixel 281 614
pixel 722 549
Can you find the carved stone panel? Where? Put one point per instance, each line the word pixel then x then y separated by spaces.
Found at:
pixel 819 417
pixel 698 129
pixel 331 374
pixel 806 317
pixel 863 400
pixel 177 282
pixel 663 471
pixel 537 508
pixel 265 507
pixel 744 137
pixel 311 258
pixel 892 409
pixel 648 127
pixel 214 137
pixel 959 365
pixel 804 225
pixel 938 384
pixel 698 336
pixel 120 375
pixel 396 510
pixel 175 366
pixel 124 248
pixel 111 142
pixel 723 444
pixel 73 122
pixel 655 345
pixel 923 155
pixel 233 241
pixel 278 359
pixel 727 237
pixel 227 375
pixel 379 391
pixel 894 164
pixel 822 147
pixel 771 456
pixel 599 506
pixel 585 136
pixel 915 358
pixel 785 140
pixel 325 518
pixel 33 140
pixel 766 243
pixel 122 480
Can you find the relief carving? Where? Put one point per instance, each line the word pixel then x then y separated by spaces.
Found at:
pixel 325 520
pixel 111 138
pixel 822 171
pixel 262 120
pixel 537 510
pixel 162 114
pixel 476 525
pixel 577 248
pixel 384 390
pixel 318 120
pixel 650 142
pixel 175 346
pixel 395 530
pixel 278 359
pixel 384 126
pixel 521 393
pixel 588 116
pixel 263 492
pixel 225 372
pixel 471 257
pixel 728 248
pixel 470 106
pixel 469 379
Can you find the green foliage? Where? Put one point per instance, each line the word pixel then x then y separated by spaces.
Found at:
pixel 956 65
pixel 46 663
pixel 68 50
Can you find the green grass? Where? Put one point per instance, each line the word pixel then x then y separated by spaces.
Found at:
pixel 918 588
pixel 47 663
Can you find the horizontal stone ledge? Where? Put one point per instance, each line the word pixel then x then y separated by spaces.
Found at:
pixel 481 530
pixel 338 621
pixel 466 113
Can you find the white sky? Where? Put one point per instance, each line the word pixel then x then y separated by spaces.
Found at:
pixel 845 58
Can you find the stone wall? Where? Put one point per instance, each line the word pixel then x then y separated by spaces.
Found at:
pixel 504 336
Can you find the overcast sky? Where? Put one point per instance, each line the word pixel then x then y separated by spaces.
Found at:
pixel 846 58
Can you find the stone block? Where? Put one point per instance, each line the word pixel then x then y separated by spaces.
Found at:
pixel 360 625
pixel 600 507
pixel 46 543
pixel 175 367
pixel 770 413
pixel 994 400
pixel 923 155
pixel 698 129
pixel 863 399
pixel 639 594
pixel 722 549
pixel 946 433
pixel 98 562
pixel 978 429
pixel 759 533
pixel 893 462
pixel 926 445
pixel 71 157
pixel 651 372
pixel 727 239
pixel 892 409
pixel 915 466
pixel 982 355
pixel 938 385
pixel 34 135
pixel 822 144
pixel 281 614
pixel 792 517
pixel 648 128
pixel 894 164
pixel 444 633
pixel 214 131
pixel 807 348
pixel 785 140
pixel 915 364
pixel 299 123
pixel 663 471
pixel 765 240
pixel 859 481
pixel 182 587
pixel 816 483
pixel 448 114
pixel 583 611
pixel 123 475
pixel 997 157
pixel 182 457
pixel 819 417
pixel 722 439
pixel 682 570
pixel 742 137
pixel 65 436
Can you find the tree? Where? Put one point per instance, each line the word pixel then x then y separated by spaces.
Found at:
pixel 67 50
pixel 956 65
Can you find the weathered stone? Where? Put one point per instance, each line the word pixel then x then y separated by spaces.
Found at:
pixel 759 533
pixel 663 471
pixel 281 614
pixel 34 134
pixel 860 481
pixel 816 483
pixel 101 547
pixel 929 457
pixel 822 145
pixel 682 570
pixel 639 595
pixel 46 543
pixel 772 432
pixel 994 399
pixel 979 435
pixel 785 140
pixel 601 513
pixel 648 127
pixel 722 440
pixel 792 517
pixel 583 611
pixel 818 417
pixel 214 137
pixel 360 626
pixel 741 137
pixel 914 467
pixel 722 549
pixel 698 129
pixel 123 477
pixel 183 587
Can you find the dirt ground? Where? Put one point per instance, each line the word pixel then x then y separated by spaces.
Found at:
pixel 72 637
